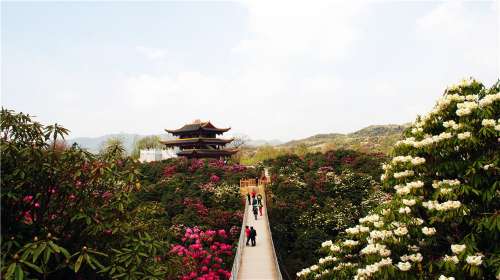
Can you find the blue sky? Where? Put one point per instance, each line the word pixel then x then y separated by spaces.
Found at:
pixel 269 69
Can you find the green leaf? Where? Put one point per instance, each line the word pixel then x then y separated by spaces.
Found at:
pixel 54 247
pixel 33 266
pixel 65 252
pixel 10 271
pixel 78 263
pixel 19 273
pixel 38 251
pixel 46 255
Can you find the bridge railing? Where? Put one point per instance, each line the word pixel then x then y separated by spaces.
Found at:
pixel 241 246
pixel 275 258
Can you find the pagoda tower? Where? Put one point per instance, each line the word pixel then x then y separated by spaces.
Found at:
pixel 199 140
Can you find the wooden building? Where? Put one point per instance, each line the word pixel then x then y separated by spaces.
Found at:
pixel 199 140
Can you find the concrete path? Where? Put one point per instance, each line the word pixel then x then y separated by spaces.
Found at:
pixel 258 262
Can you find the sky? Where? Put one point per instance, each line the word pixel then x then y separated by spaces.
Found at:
pixel 269 69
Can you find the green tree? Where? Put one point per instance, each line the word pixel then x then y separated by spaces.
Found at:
pixel 148 142
pixel 113 148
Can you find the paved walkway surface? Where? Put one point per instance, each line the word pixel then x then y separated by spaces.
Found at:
pixel 258 262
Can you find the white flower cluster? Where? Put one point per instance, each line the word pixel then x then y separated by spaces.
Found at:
pixel 357 229
pixel 457 248
pixel 350 243
pixel 369 270
pixel 489 99
pixel 380 234
pixel 437 184
pixel 453 259
pixel 308 270
pixel 416 258
pixel 464 135
pixel 386 212
pixel 466 108
pixel 475 260
pixel 429 140
pixel 405 210
pixel 380 249
pixel 445 206
pixel 327 243
pixel 442 277
pixel 342 265
pixel 327 259
pixel 418 221
pixel 409 202
pixel 369 219
pixel 428 231
pixel 412 160
pixel 403 174
pixel 452 124
pixel 404 266
pixel 400 231
pixel 488 123
pixel 416 130
pixel 406 189
pixel 335 248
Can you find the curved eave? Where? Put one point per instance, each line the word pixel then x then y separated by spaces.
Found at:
pixel 190 141
pixel 183 131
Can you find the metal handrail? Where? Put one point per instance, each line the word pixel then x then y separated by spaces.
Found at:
pixel 276 263
pixel 241 242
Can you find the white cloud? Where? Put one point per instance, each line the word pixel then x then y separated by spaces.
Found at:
pixel 152 53
pixel 322 30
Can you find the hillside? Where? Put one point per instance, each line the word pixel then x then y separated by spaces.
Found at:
pixel 374 138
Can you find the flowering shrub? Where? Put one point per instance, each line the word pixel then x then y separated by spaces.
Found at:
pixel 68 214
pixel 206 253
pixel 314 197
pixel 443 221
pixel 197 196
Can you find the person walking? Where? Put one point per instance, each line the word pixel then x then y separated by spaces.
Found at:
pixel 259 199
pixel 255 211
pixel 253 235
pixel 247 233
pixel 257 181
pixel 248 196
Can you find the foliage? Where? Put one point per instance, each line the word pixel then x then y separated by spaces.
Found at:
pixel 194 197
pixel 443 221
pixel 148 142
pixel 314 197
pixel 65 211
pixel 113 148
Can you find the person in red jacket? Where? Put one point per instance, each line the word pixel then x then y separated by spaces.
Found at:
pixel 247 233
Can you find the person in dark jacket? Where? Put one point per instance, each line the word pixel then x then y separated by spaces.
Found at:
pixel 248 196
pixel 253 234
pixel 255 211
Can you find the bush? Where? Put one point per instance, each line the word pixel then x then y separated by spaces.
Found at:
pixel 314 197
pixel 67 213
pixel 443 220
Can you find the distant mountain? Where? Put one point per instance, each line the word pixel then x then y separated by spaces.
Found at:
pixel 374 138
pixel 257 143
